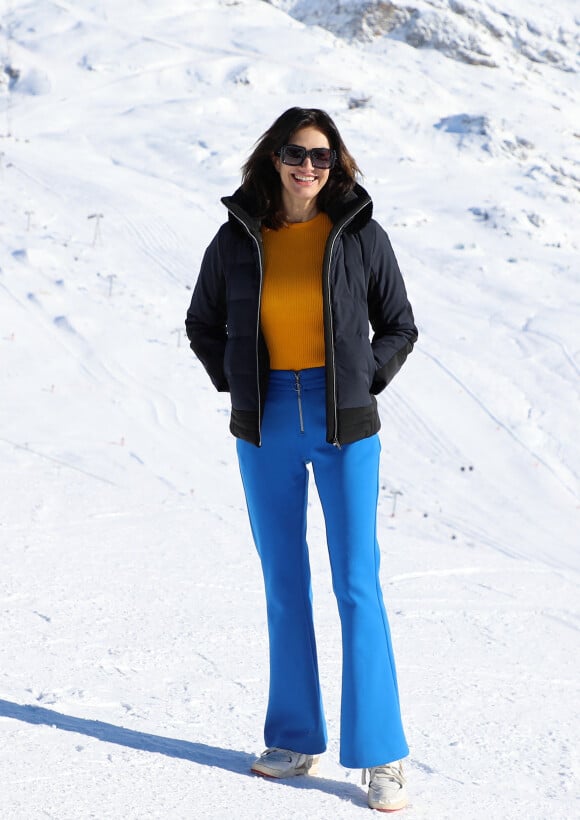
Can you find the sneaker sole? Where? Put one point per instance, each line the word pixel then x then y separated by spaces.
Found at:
pixel 273 775
pixel 395 807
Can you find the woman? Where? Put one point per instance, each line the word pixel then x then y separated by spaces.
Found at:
pixel 280 318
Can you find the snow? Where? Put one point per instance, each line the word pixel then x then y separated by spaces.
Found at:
pixel 133 659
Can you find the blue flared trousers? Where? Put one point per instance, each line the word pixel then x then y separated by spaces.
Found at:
pixel 275 479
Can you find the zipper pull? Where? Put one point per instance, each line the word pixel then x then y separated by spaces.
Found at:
pixel 299 394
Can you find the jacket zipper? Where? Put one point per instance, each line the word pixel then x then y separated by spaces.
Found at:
pixel 299 394
pixel 340 229
pixel 261 271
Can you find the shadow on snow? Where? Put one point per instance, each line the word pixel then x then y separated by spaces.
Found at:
pixel 227 759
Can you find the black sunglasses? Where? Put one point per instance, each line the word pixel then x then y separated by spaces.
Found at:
pixel 296 155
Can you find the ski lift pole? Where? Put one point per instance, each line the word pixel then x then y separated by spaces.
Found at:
pixel 97 234
pixel 394 495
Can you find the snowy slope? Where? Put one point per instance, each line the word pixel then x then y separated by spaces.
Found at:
pixel 133 669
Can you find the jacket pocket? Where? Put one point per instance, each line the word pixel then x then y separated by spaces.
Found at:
pixel 371 365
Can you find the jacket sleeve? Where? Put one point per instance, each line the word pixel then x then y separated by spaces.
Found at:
pixel 206 320
pixel 390 313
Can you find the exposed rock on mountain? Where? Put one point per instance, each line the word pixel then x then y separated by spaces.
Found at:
pixel 470 31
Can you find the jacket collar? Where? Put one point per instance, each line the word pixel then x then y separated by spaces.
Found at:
pixel 354 211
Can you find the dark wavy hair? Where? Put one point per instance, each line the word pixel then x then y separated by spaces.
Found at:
pixel 261 181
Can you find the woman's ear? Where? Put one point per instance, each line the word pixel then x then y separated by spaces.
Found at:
pixel 276 162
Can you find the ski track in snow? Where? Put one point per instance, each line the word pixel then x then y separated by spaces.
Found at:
pixel 133 660
pixel 481 403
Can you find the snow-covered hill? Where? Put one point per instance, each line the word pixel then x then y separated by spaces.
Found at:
pixel 133 653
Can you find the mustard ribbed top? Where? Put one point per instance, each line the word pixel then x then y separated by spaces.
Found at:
pixel 291 312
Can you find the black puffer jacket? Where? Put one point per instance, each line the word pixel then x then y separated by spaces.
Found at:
pixel 361 282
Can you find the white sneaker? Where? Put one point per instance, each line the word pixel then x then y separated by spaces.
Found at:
pixel 387 790
pixel 284 763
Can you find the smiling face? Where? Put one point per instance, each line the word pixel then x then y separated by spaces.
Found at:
pixel 301 184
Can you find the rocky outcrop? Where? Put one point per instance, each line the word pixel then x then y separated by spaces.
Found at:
pixel 469 31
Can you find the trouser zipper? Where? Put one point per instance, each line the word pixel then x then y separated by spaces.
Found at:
pixel 299 394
